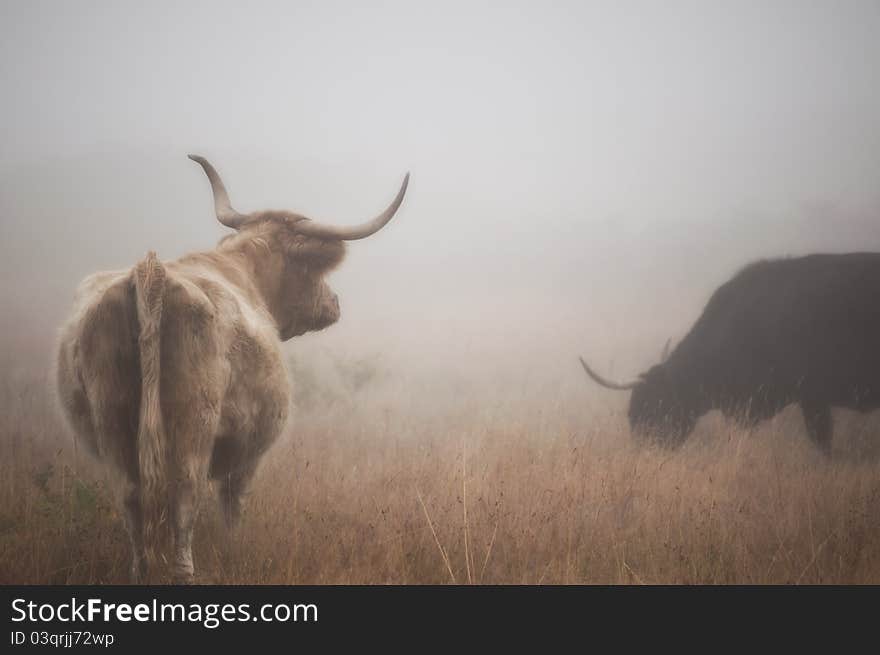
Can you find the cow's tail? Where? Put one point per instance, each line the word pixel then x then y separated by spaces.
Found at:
pixel 149 281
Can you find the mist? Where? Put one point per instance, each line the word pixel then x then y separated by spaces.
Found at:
pixel 583 175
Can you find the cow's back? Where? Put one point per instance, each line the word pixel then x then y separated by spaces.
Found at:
pixel 794 326
pixel 220 367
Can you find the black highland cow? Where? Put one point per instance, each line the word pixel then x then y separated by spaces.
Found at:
pixel 801 330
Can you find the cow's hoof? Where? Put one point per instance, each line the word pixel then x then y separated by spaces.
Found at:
pixel 184 578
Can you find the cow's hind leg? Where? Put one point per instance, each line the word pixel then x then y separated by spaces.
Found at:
pixel 817 418
pixel 184 499
pixel 134 521
pixel 232 489
pixel 232 467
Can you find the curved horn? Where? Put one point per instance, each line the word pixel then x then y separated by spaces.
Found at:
pixel 606 383
pixel 665 354
pixel 358 231
pixel 225 213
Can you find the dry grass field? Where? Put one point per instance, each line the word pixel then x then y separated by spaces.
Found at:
pixel 378 480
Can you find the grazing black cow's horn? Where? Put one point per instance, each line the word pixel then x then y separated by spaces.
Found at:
pixel 225 213
pixel 606 383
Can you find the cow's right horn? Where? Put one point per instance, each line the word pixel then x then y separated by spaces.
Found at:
pixel 361 231
pixel 225 213
pixel 606 383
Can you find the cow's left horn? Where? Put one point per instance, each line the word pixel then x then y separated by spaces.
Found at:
pixel 225 213
pixel 665 354
pixel 358 231
pixel 606 383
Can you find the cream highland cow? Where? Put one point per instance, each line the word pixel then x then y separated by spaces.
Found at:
pixel 171 372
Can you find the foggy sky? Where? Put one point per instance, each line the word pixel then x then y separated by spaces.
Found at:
pixel 582 173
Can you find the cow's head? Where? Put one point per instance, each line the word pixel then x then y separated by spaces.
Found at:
pixel 659 411
pixel 289 255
